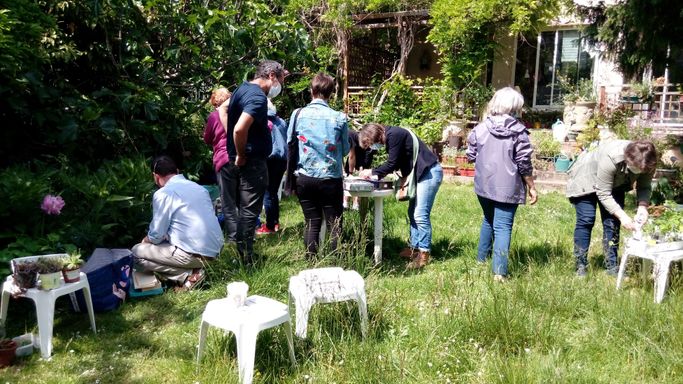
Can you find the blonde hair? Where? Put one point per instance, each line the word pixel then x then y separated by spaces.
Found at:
pixel 219 95
pixel 506 101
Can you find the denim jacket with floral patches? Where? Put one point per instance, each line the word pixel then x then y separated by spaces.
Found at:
pixel 323 136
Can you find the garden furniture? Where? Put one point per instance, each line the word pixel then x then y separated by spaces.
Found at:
pixel 246 321
pixel 45 302
pixel 660 254
pixel 378 195
pixel 326 285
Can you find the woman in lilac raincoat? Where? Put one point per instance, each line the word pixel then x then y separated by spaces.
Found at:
pixel 500 148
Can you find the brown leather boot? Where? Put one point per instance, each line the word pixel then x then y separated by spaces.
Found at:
pixel 408 253
pixel 420 260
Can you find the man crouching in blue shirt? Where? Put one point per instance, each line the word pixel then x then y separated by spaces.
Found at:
pixel 184 232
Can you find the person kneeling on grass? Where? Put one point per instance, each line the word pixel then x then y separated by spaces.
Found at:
pixel 184 233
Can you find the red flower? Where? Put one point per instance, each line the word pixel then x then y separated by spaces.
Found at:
pixel 302 138
pixel 305 150
pixel 331 148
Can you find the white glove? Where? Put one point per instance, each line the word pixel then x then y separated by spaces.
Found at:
pixel 641 215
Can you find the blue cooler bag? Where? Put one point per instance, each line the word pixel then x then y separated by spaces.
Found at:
pixel 108 272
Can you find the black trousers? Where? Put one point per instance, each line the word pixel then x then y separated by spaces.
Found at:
pixel 320 198
pixel 249 183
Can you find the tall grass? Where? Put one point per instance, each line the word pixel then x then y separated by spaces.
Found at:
pixel 447 323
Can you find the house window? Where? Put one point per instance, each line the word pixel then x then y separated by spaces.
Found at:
pixel 545 60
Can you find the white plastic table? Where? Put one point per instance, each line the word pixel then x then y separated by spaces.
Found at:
pixel 45 307
pixel 661 258
pixel 257 313
pixel 378 195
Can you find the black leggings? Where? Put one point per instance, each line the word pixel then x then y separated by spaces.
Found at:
pixel 318 198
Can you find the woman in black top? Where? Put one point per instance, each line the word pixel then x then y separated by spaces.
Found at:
pixel 427 172
pixel 359 159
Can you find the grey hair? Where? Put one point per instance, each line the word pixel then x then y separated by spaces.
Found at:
pixel 266 67
pixel 506 101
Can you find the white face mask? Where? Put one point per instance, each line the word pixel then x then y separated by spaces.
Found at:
pixel 275 89
pixel 376 146
pixel 634 170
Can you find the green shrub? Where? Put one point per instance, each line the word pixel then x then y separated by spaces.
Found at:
pixel 108 207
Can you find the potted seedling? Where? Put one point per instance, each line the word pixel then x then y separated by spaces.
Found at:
pixel 71 266
pixel 25 274
pixel 50 270
pixel 8 348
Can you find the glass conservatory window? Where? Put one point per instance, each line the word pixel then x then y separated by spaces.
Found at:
pixel 546 60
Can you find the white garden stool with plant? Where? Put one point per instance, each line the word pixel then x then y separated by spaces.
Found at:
pixel 45 301
pixel 245 321
pixel 326 285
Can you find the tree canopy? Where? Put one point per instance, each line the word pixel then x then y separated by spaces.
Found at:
pixel 637 33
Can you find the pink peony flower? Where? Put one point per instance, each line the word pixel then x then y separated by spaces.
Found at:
pixel 52 205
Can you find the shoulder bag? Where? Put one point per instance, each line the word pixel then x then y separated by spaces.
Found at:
pixel 292 157
pixel 407 186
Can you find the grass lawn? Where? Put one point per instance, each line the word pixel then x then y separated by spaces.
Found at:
pixel 445 324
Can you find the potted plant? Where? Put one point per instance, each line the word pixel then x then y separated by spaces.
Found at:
pixel 25 274
pixel 466 169
pixel 50 270
pixel 71 266
pixel 579 101
pixel 664 229
pixel 8 348
pixel 545 146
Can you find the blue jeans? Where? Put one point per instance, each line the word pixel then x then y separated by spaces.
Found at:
pixel 585 207
pixel 496 231
pixel 420 208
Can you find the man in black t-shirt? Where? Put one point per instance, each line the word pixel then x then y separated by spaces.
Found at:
pixel 249 143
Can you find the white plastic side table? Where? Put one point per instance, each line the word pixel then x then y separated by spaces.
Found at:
pixel 661 261
pixel 326 285
pixel 379 196
pixel 45 307
pixel 258 313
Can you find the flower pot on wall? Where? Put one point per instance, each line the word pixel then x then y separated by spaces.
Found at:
pixel 578 114
pixel 449 170
pixel 469 172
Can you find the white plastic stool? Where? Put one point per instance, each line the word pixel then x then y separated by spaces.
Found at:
pixel 258 313
pixel 45 303
pixel 661 258
pixel 326 285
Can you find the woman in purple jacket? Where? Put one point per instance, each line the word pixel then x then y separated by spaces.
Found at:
pixel 215 136
pixel 500 148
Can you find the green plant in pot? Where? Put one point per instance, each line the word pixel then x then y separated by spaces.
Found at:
pixel 8 348
pixel 466 169
pixel 25 274
pixel 50 270
pixel 71 266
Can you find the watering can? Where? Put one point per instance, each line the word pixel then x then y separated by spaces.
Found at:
pixel 562 163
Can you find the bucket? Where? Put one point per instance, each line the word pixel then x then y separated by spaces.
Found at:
pixel 562 163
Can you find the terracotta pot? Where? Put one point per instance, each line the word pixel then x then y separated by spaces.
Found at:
pixel 467 172
pixel 449 170
pixel 7 353
pixel 71 275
